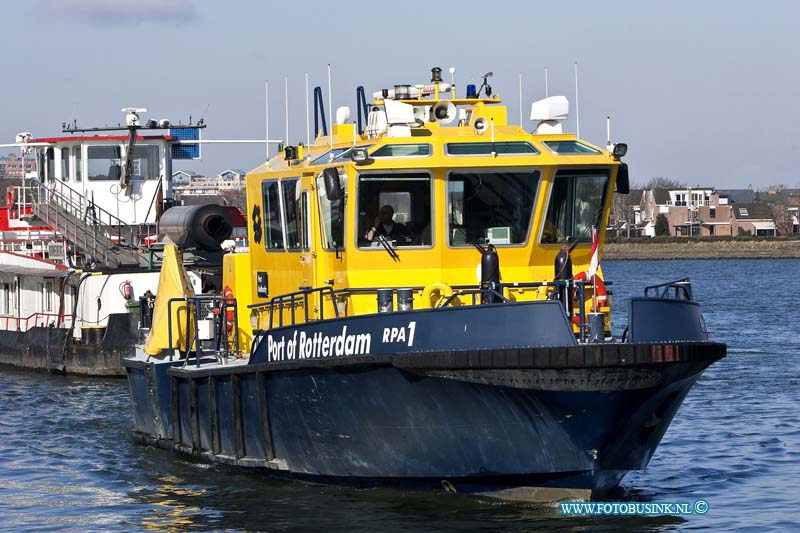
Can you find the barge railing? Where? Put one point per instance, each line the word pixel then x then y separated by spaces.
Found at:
pixel 31 321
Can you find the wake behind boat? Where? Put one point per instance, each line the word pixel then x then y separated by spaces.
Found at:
pixel 422 305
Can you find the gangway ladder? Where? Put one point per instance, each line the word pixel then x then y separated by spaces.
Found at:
pixel 200 309
pixel 93 230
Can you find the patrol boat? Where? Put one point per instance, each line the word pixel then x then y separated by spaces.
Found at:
pixel 421 305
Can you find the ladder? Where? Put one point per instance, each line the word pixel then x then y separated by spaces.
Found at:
pixel 104 239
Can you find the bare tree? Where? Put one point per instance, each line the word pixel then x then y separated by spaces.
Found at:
pixel 662 182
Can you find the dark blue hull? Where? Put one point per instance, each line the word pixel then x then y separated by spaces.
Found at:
pixel 572 417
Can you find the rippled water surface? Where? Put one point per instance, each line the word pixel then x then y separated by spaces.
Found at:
pixel 67 461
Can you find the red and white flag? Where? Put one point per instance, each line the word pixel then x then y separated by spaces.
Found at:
pixel 594 262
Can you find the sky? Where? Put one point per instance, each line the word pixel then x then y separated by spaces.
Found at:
pixel 703 92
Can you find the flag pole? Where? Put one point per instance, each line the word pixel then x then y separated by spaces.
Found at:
pixel 593 269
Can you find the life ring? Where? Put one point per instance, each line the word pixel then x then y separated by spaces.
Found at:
pixel 11 197
pixel 599 289
pixel 440 289
pixel 227 295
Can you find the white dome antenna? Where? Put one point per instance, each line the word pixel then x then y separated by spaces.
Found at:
pixel 132 116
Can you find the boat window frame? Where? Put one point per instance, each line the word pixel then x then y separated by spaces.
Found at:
pixel 65 163
pixel 594 151
pixel 112 146
pixel 5 298
pixel 432 189
pixel 342 155
pixel 535 152
pixel 285 218
pixel 326 236
pixel 157 159
pixel 50 165
pixel 77 156
pixel 387 145
pixel 264 184
pixel 496 169
pixel 553 175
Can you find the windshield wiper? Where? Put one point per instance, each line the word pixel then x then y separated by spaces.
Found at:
pixel 388 247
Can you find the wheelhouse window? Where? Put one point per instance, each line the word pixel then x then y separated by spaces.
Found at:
pixel 65 164
pixel 51 164
pixel 339 154
pixel 78 163
pixel 331 214
pixel 104 162
pixel 294 214
pixel 570 147
pixel 145 162
pixel 576 204
pixel 273 226
pixel 493 206
pixel 394 208
pixel 486 148
pixel 403 150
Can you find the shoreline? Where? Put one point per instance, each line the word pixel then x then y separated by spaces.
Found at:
pixel 695 249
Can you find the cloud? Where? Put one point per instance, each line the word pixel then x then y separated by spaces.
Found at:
pixel 117 13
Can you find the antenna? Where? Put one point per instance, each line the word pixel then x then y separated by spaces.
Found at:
pixel 546 83
pixel 485 85
pixel 608 132
pixel 266 115
pixel 577 106
pixel 453 80
pixel 520 100
pixel 308 117
pixel 286 106
pixel 491 125
pixel 330 106
pixel 203 116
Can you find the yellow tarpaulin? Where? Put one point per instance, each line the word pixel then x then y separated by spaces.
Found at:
pixel 172 283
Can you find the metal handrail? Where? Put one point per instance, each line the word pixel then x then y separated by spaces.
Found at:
pixel 296 297
pixel 89 222
pixel 682 290
pixel 194 306
pixel 61 319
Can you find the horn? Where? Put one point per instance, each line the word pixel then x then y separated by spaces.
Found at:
pixel 444 112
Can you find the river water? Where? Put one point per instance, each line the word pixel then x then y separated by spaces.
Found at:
pixel 67 461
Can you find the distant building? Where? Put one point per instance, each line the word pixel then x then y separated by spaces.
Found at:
pixel 184 177
pixel 11 166
pixel 697 211
pixel 705 211
pixel 188 184
pixel 236 175
pixel 754 218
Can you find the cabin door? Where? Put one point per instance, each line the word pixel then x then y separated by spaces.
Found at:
pixel 308 259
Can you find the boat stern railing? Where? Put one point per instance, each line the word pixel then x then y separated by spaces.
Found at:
pixel 680 289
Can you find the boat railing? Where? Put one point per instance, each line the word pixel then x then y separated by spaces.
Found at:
pixel 40 319
pixel 571 293
pixel 291 300
pixel 72 213
pixel 199 310
pixel 490 295
pixel 680 289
